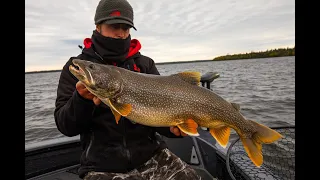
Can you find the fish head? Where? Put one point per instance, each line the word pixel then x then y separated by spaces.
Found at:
pixel 102 80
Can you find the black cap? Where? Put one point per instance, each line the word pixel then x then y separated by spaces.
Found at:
pixel 113 12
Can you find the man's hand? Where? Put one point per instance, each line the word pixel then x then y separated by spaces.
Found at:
pixel 176 131
pixel 85 93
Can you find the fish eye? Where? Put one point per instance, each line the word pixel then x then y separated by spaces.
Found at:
pixel 91 66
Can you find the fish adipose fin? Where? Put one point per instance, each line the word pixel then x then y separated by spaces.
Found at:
pixel 221 134
pixel 191 77
pixel 189 127
pixel 253 145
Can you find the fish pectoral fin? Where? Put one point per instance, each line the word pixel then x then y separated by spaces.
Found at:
pixel 117 116
pixel 221 134
pixel 236 106
pixel 189 127
pixel 106 101
pixel 120 108
pixel 191 77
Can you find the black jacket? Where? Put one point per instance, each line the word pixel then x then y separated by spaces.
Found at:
pixel 107 146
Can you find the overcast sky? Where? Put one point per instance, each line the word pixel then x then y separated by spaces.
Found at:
pixel 169 30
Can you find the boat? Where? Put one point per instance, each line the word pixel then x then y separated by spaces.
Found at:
pixel 58 159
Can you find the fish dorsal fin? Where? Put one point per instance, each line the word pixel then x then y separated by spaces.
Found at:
pixel 236 106
pixel 191 77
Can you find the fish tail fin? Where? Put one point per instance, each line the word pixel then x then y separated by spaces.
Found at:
pixel 253 145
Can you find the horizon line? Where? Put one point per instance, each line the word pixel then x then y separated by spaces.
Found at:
pixel 158 63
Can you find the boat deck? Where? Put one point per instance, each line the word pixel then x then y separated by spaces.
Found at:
pixel 44 163
pixel 70 173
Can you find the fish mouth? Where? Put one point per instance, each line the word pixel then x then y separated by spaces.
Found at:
pixel 79 70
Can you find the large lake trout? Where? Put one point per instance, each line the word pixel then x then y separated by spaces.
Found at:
pixel 173 100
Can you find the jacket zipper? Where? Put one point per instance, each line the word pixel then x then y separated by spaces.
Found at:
pixel 98 55
pixel 125 140
pixel 124 135
pixel 91 137
pixel 124 131
pixel 90 144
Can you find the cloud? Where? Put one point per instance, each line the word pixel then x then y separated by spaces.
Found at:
pixel 168 30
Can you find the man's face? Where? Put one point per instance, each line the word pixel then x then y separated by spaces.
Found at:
pixel 118 31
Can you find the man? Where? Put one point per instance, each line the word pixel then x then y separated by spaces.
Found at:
pixel 126 149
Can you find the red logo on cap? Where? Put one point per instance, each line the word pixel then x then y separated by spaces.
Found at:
pixel 115 13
